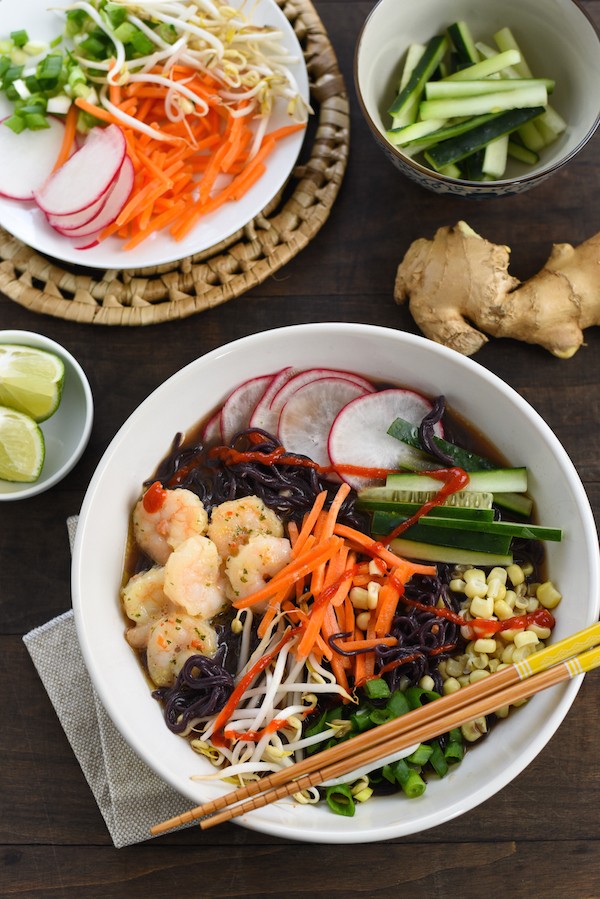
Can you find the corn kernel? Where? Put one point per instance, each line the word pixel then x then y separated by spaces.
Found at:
pixel 464 680
pixel 510 598
pixel 474 574
pixel 374 568
pixel 457 585
pixel 507 655
pixel 363 620
pixel 502 610
pixel 496 589
pixel 359 597
pixel 450 686
pixel 475 589
pixel 478 675
pixel 542 632
pixel 483 645
pixel 427 683
pixel 532 590
pixel 548 595
pixel 497 574
pixel 482 607
pixel 526 638
pixel 454 667
pixel 493 665
pixel 533 604
pixel 373 589
pixel 527 568
pixel 481 660
pixel 502 712
pixel 521 652
pixel 474 729
pixel 521 603
pixel 515 574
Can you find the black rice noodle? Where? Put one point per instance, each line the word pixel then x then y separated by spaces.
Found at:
pixel 288 489
pixel 202 688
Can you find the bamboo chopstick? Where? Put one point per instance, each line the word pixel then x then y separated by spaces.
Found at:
pixel 546 668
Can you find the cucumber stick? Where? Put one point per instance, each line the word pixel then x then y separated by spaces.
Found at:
pixel 409 433
pixel 458 148
pixel 439 535
pixel 466 51
pixel 487 67
pixel 482 104
pixel 500 480
pixel 440 90
pixel 370 497
pixel 407 510
pixel 452 555
pixel 507 528
pixel 428 63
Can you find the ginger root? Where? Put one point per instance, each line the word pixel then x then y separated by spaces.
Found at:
pixel 458 283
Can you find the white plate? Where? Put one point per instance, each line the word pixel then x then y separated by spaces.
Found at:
pixel 28 223
pixel 385 356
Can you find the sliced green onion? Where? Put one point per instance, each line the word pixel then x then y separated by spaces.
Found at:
pixel 377 689
pixel 340 800
pixel 19 38
pixel 438 760
pixel 421 755
pixel 16 123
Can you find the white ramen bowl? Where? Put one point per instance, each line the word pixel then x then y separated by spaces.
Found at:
pixel 383 355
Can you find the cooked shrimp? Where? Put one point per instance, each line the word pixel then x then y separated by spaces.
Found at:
pixel 192 577
pixel 234 522
pixel 173 639
pixel 144 601
pixel 164 519
pixel 256 563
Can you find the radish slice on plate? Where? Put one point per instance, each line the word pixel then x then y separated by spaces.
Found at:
pixel 26 160
pixel 86 175
pixel 359 433
pixel 211 433
pixel 262 417
pixel 117 197
pixel 313 374
pixel 239 406
pixel 306 419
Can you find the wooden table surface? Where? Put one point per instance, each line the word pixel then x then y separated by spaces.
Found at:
pixel 537 837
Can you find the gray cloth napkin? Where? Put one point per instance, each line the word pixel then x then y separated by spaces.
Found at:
pixel 129 794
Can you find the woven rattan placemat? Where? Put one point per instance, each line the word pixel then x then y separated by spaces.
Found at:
pixel 176 290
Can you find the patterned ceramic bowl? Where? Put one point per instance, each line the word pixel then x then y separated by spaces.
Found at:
pixel 558 40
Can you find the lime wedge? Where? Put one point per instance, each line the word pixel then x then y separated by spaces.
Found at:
pixel 31 380
pixel 22 447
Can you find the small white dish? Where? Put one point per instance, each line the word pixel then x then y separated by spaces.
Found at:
pixel 28 223
pixel 66 433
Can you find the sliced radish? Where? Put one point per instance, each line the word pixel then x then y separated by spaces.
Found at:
pixel 77 219
pixel 359 433
pixel 117 198
pixel 306 419
pixel 313 374
pixel 26 160
pixel 239 406
pixel 86 175
pixel 211 433
pixel 262 417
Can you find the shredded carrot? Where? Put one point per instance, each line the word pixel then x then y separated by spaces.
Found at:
pixel 389 595
pixel 68 140
pixel 377 549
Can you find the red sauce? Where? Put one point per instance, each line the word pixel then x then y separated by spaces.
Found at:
pixel 218 736
pixel 254 736
pixel 154 498
pixel 454 479
pixel 541 617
